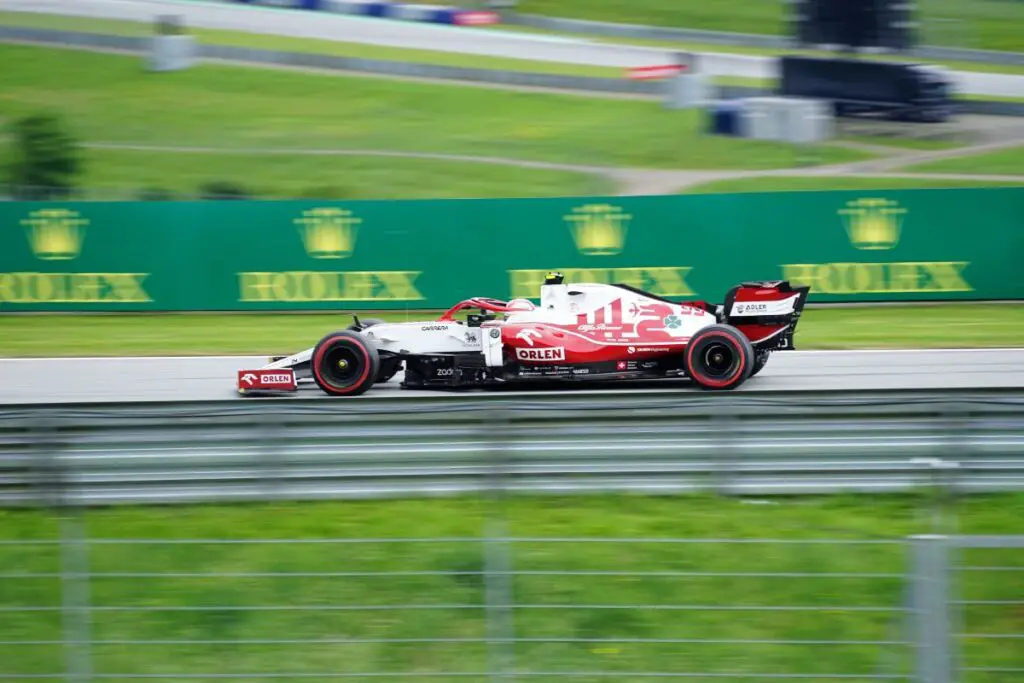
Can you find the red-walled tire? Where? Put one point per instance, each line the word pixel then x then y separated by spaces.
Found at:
pixel 344 364
pixel 719 357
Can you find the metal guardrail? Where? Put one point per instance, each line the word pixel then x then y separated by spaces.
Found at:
pixel 741 443
pixel 593 84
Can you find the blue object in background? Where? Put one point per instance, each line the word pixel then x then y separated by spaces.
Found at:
pixel 290 4
pixel 725 118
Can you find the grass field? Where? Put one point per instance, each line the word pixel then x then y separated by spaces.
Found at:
pixel 575 638
pixel 1006 161
pixel 330 177
pixel 806 183
pixel 982 24
pixel 226 107
pixel 925 326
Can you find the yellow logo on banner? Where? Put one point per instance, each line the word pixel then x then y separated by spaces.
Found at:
pixel 58 234
pixel 598 229
pixel 328 233
pixel 873 223
pixel 877 225
pixel 55 234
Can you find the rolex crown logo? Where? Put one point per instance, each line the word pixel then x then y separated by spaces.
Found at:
pixel 55 234
pixel 598 229
pixel 328 232
pixel 873 223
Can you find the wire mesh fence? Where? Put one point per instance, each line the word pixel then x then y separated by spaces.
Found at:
pixel 492 607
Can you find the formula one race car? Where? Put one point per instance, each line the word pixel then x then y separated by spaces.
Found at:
pixel 578 332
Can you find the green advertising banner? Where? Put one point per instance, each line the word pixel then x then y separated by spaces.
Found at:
pixel 910 245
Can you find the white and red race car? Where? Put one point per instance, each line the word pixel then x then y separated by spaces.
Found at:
pixel 578 332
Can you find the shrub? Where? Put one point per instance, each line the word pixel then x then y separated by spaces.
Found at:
pixel 46 159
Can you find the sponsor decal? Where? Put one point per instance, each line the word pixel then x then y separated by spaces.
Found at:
pixel 471 337
pixel 445 372
pixel 264 379
pixel 598 229
pixel 581 371
pixel 621 365
pixel 528 336
pixel 876 225
pixel 433 328
pixel 784 307
pixel 328 234
pixel 631 349
pixel 495 333
pixel 59 235
pixel 552 353
pixel 672 322
pixel 305 285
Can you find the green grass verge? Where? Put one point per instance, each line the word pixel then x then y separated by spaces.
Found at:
pixel 947 325
pixel 982 24
pixel 804 183
pixel 1006 161
pixel 119 27
pixel 113 100
pixel 276 176
pixel 603 640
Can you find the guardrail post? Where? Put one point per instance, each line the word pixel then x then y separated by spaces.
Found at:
pixel 497 554
pixel 929 608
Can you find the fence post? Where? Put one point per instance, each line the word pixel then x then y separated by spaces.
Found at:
pixel 497 554
pixel 930 610
pixel 74 572
pixel 55 488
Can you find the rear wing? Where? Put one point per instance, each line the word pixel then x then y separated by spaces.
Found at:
pixel 766 311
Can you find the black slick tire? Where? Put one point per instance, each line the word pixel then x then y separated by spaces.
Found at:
pixel 760 360
pixel 719 357
pixel 389 367
pixel 344 363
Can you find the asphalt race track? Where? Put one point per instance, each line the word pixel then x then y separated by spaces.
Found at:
pixel 474 41
pixel 82 380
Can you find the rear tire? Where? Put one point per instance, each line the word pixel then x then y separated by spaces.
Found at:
pixel 344 364
pixel 719 357
pixel 760 360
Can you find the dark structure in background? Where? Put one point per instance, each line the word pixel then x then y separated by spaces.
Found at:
pixel 906 92
pixel 851 24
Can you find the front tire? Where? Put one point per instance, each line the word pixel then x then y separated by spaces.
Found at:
pixel 389 367
pixel 344 364
pixel 719 357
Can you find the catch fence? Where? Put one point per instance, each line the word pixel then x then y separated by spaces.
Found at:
pixel 494 608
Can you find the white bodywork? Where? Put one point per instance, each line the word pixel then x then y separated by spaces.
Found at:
pixel 560 304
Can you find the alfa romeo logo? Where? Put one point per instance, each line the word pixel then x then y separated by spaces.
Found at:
pixel 672 322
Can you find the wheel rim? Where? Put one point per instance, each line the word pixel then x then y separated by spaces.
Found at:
pixel 719 359
pixel 341 366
